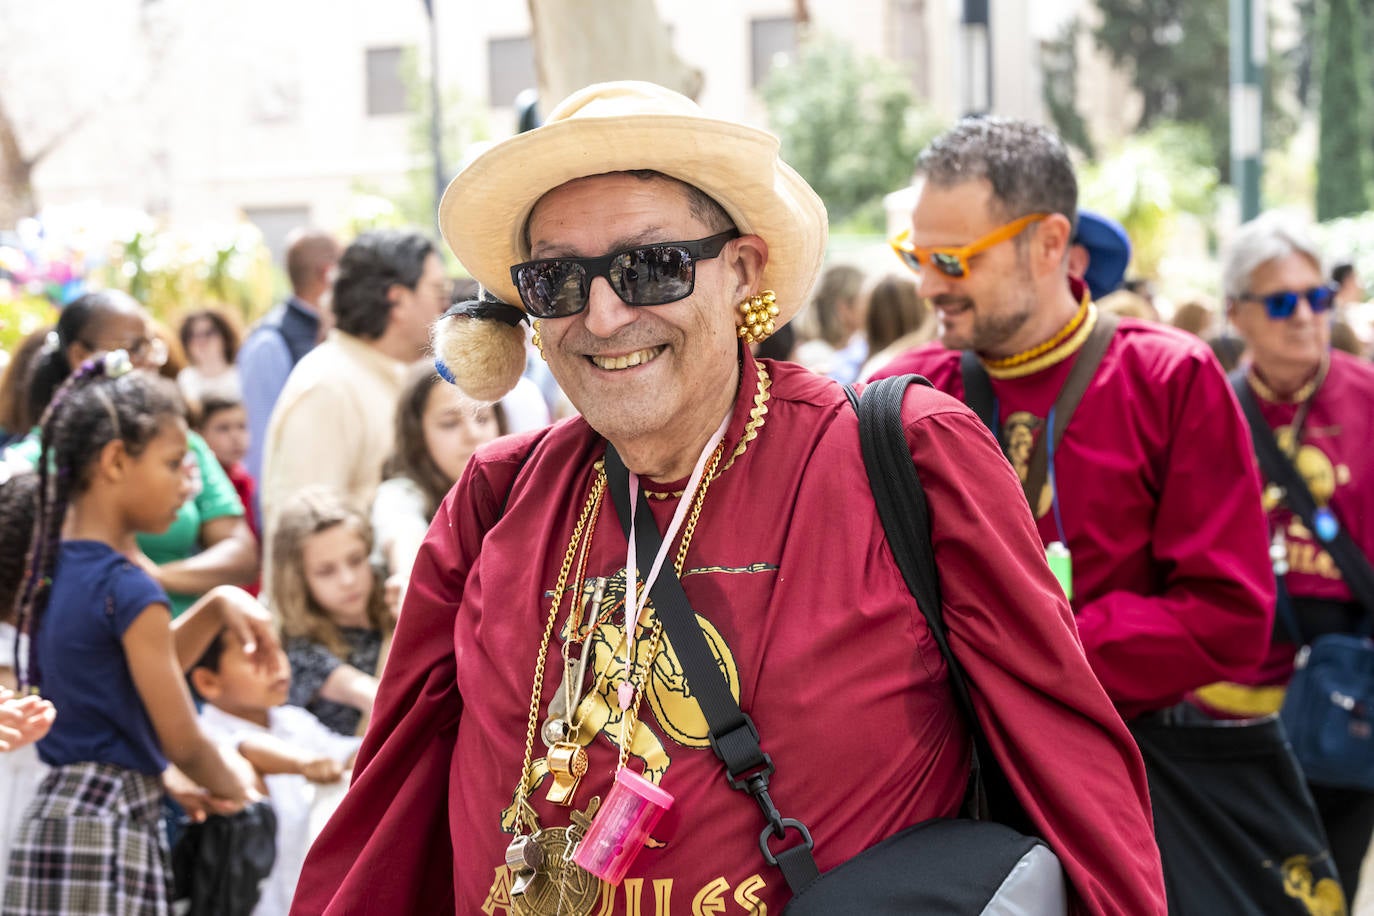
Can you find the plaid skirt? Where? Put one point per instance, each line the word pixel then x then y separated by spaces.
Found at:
pixel 91 843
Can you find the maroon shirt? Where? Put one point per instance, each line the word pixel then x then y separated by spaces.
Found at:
pixel 1335 459
pixel 799 594
pixel 1158 492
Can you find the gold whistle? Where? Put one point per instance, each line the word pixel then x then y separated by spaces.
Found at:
pixel 568 764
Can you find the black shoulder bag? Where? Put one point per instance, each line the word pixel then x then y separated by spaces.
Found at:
pixel 952 866
pixel 1328 710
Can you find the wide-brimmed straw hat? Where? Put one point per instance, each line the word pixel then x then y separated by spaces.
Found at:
pixel 622 126
pixel 626 126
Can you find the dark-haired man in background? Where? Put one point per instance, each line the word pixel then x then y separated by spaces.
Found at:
pixel 332 424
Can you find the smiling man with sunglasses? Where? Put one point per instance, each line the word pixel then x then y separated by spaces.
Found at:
pixel 651 242
pixel 1316 402
pixel 1140 467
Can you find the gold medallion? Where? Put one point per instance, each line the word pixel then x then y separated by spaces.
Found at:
pixel 559 887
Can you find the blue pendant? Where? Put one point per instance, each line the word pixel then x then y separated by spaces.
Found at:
pixel 1326 525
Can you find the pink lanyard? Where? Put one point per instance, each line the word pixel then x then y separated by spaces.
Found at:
pixel 632 596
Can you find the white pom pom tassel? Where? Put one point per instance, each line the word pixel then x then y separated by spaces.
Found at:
pixel 484 357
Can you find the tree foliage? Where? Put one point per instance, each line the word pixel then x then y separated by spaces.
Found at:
pixel 1059 64
pixel 1177 55
pixel 1343 152
pixel 1147 182
pixel 849 124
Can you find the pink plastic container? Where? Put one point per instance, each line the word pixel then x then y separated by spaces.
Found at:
pixel 618 832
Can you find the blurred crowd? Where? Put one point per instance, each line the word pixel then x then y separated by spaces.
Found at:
pixel 278 482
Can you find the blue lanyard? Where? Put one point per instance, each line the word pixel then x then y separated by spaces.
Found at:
pixel 1054 487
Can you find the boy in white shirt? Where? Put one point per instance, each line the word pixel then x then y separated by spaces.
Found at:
pixel 292 750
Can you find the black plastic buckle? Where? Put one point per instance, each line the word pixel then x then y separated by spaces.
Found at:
pixel 743 781
pixel 780 831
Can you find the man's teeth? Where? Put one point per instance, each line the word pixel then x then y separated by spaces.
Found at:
pixel 624 362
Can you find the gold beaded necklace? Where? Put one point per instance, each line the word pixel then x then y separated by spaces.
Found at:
pixel 1020 359
pixel 757 414
pixel 1064 349
pixel 1301 395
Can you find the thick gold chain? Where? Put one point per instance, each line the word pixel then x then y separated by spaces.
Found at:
pixel 589 511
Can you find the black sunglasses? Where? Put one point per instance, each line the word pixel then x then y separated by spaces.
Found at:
pixel 1282 304
pixel 643 275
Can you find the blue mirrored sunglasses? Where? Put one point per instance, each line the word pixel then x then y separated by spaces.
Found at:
pixel 1282 304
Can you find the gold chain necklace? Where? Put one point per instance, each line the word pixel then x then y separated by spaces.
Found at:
pixel 757 414
pixel 544 878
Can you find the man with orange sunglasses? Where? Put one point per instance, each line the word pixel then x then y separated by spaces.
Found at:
pixel 1137 464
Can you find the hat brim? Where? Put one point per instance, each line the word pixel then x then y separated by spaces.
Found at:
pixel 484 211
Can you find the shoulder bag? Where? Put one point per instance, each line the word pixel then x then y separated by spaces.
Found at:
pixel 1328 710
pixel 971 865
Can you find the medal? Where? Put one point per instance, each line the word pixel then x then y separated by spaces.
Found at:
pixel 556 886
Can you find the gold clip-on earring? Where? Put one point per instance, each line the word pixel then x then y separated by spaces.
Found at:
pixel 758 313
pixel 537 340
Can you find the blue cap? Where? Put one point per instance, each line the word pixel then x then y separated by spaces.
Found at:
pixel 1109 251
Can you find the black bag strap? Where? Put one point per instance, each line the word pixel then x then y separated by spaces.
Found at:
pixel 734 737
pixel 978 390
pixel 978 395
pixel 1279 469
pixel 902 507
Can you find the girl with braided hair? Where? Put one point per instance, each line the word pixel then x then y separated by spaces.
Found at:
pixel 209 544
pixel 102 647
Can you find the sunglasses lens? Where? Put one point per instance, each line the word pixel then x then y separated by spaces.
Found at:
pixel 1280 305
pixel 653 275
pixel 909 258
pixel 947 264
pixel 1320 298
pixel 552 289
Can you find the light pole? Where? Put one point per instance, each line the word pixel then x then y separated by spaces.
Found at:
pixel 1249 50
pixel 977 33
pixel 435 129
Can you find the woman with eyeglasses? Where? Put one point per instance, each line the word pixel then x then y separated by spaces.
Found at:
pixel 209 544
pixel 1316 402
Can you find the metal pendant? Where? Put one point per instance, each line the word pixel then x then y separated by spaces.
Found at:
pixel 557 727
pixel 567 764
pixel 1325 525
pixel 569 693
pixel 558 887
pixel 524 858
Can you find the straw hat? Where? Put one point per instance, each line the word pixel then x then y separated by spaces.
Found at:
pixel 613 127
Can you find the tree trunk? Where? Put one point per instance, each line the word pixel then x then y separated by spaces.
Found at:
pixel 16 176
pixel 577 44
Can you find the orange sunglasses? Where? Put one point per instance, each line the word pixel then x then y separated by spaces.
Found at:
pixel 954 262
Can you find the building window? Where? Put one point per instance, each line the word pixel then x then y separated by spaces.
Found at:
pixel 770 40
pixel 386 89
pixel 510 69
